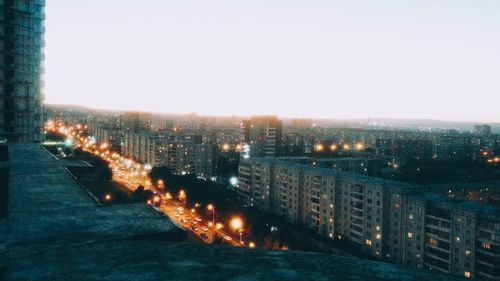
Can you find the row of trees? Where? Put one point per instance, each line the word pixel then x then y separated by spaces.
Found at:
pixel 265 229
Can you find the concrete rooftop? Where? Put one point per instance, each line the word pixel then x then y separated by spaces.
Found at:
pixel 55 231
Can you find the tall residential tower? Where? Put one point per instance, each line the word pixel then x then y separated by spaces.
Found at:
pixel 21 56
pixel 263 135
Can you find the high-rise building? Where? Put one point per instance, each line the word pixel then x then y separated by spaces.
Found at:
pixel 136 121
pixel 384 219
pixel 263 135
pixel 21 43
pixel 482 130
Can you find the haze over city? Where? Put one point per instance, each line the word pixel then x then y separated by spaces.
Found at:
pixel 330 59
pixel 249 140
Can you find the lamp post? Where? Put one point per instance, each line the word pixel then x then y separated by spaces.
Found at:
pixel 211 208
pixel 182 196
pixel 237 225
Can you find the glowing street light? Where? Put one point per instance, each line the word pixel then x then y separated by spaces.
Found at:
pixel 319 147
pixel 237 225
pixel 182 195
pixel 168 196
pixel 360 146
pixel 211 208
pixel 333 147
pixel 108 197
pixel 233 181
pixel 251 245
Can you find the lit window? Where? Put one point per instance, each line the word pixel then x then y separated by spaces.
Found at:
pixel 468 252
pixel 377 227
pixel 368 242
pixel 486 245
pixel 433 241
pixel 410 216
pixel 378 236
pixel 467 274
pixel 410 235
pixel 457 239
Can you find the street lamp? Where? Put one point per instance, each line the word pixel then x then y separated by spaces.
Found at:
pixel 182 195
pixel 156 199
pixel 237 225
pixel 168 196
pixel 108 197
pixel 211 208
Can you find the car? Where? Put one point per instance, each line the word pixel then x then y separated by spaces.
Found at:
pixel 228 238
pixel 195 222
pixel 195 228
pixel 184 220
pixel 204 228
pixel 197 219
pixel 177 215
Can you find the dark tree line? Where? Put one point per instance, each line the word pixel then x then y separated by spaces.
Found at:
pixel 101 166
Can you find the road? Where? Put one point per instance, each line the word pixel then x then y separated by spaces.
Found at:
pixel 131 174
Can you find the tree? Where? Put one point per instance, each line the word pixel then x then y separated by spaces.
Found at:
pixel 141 194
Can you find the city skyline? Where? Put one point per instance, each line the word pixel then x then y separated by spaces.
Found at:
pixel 333 60
pixel 249 140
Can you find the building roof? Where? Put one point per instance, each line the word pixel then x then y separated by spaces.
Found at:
pixel 57 232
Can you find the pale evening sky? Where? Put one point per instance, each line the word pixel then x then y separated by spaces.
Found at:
pixel 436 59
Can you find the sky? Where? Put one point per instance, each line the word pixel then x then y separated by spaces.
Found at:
pixel 418 59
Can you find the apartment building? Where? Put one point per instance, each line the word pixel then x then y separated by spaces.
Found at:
pixel 21 56
pixel 263 135
pixel 318 201
pixel 454 237
pixel 385 219
pixel 287 199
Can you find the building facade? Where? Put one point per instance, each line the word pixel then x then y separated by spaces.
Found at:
pixel 21 56
pixel 384 219
pixel 263 135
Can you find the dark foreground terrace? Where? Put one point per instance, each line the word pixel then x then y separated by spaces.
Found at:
pixel 54 230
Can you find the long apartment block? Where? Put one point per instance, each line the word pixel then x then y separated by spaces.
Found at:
pixel 385 219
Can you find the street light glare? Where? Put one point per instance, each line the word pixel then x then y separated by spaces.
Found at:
pixel 236 223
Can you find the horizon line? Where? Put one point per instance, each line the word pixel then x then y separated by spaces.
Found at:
pixel 478 122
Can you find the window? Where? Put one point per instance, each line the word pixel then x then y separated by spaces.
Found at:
pixel 378 236
pixel 433 242
pixel 368 242
pixel 486 245
pixel 410 235
pixel 467 274
pixel 468 253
